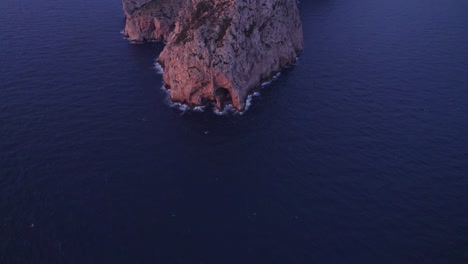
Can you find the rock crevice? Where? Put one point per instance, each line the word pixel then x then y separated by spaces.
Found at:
pixel 217 50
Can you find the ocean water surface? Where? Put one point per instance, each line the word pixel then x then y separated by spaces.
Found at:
pixel 357 154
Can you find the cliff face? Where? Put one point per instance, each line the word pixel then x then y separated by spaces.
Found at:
pixel 219 50
pixel 150 19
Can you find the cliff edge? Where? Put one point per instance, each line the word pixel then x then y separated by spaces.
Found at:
pixel 217 50
pixel 150 19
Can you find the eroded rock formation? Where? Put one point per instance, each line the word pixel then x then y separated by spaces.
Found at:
pixel 218 50
pixel 150 19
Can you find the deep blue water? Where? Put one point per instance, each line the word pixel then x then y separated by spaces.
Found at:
pixel 358 154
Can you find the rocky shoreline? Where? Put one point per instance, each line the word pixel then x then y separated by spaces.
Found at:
pixel 217 50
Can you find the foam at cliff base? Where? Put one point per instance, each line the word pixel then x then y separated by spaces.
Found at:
pixel 228 109
pixel 131 41
pixel 159 69
pixel 272 79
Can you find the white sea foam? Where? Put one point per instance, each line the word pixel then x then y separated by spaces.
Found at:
pixel 159 69
pixel 272 80
pixel 199 108
pixel 229 109
pixel 136 42
pixel 181 107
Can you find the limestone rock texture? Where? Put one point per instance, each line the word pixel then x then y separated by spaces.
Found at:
pixel 219 50
pixel 150 19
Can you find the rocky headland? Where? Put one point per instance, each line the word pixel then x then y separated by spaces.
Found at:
pixel 217 50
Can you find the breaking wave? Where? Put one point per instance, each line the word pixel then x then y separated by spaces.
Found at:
pixel 157 67
pixel 228 109
pixel 272 80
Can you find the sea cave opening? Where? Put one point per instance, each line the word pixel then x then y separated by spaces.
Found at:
pixel 223 94
pixel 223 97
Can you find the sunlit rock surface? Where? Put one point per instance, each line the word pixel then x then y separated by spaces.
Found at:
pixel 218 50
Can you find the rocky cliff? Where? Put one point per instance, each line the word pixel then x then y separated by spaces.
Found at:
pixel 218 50
pixel 150 19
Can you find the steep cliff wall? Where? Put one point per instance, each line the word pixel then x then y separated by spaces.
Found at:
pixel 218 50
pixel 150 19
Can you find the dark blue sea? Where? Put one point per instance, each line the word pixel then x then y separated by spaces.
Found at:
pixel 357 154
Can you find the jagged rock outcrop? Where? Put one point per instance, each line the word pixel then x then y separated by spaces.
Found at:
pixel 220 50
pixel 150 19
